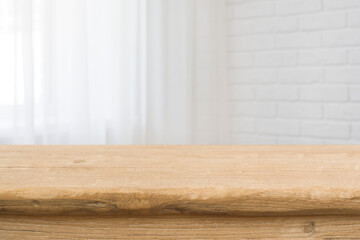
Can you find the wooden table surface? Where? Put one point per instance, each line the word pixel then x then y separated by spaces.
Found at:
pixel 179 192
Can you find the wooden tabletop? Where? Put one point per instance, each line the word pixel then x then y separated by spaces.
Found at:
pixel 167 180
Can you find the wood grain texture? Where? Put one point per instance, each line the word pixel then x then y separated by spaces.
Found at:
pixel 181 227
pixel 158 180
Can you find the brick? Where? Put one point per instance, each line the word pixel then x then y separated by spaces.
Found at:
pixel 330 141
pixel 252 75
pixel 355 133
pixel 354 18
pixel 241 92
pixel 323 57
pixel 355 93
pixel 298 6
pixel 325 129
pixel 298 141
pixel 243 27
pixel 240 27
pixel 280 127
pixel 255 109
pixel 250 9
pixel 298 40
pixel 300 110
pixel 276 93
pixel 242 125
pixel 287 24
pixel 324 93
pixel 250 139
pixel 322 21
pixel 240 59
pixel 342 111
pixel 300 75
pixel 247 43
pixel 262 25
pixel 338 4
pixel 354 56
pixel 343 75
pixel 348 37
pixel 235 1
pixel 273 59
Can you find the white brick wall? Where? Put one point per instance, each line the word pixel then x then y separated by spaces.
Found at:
pixel 302 6
pixel 294 71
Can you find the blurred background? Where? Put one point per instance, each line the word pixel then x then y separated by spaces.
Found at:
pixel 179 71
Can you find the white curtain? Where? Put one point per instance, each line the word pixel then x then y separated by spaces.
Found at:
pixel 111 71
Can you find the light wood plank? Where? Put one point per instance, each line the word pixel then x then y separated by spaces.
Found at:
pixel 171 228
pixel 151 180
